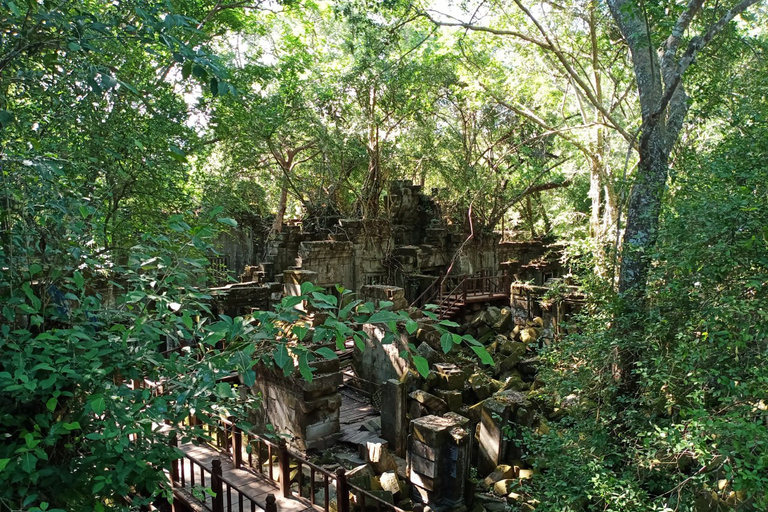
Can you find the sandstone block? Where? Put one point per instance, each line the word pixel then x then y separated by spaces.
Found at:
pixel 452 398
pixel 431 402
pixel 379 457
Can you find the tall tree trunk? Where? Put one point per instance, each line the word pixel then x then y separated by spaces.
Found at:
pixel 373 181
pixel 277 225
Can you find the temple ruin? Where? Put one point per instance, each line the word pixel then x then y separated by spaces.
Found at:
pixel 449 441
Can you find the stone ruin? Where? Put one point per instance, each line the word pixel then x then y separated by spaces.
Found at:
pixel 449 440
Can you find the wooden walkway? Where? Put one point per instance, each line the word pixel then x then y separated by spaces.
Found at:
pixel 254 487
pixel 355 413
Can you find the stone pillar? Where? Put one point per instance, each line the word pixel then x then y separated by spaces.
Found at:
pixel 438 460
pixel 293 278
pixel 394 426
pixel 308 411
pixel 498 411
pixel 450 383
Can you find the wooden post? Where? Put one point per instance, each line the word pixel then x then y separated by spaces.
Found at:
pixel 271 503
pixel 216 486
pixel 342 490
pixel 237 449
pixel 464 290
pixel 174 462
pixel 285 469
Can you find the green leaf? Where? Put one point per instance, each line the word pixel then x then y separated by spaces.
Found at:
pixel 326 353
pixel 422 366
pixel 324 297
pixel 223 389
pixel 177 153
pixel 199 71
pixel 129 87
pixel 283 358
pixel 359 344
pixel 71 426
pixel 483 354
pixel 227 221
pixel 6 118
pixel 186 69
pixel 448 323
pixel 446 342
pixel 98 404
pixel 79 280
pixel 28 462
pixel 304 368
pixel 411 326
pixel 299 331
pixel 383 317
pixel 289 302
pixel 74 46
pixel 3 463
pixel 214 86
pixel 307 288
pixel 35 269
pixel 51 404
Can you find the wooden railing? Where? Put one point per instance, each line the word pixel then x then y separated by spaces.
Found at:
pixel 447 290
pixel 183 477
pixel 273 460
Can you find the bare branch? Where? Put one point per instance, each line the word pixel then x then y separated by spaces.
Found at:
pixel 494 31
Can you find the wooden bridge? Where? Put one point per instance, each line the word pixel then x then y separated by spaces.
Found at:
pixel 453 293
pixel 248 472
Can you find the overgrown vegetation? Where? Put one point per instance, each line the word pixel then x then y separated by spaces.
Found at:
pixel 124 126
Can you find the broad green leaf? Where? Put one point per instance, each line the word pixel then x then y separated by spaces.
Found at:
pixel 324 297
pixel 71 426
pixel 28 462
pixel 422 366
pixel 98 404
pixel 186 69
pixel 446 342
pixel 51 404
pixel 448 323
pixel 282 358
pixel 289 302
pixel 35 269
pixel 227 221
pixel 366 308
pixel 223 389
pixel 359 343
pixel 304 368
pixel 6 118
pixel 299 331
pixel 3 463
pixel 383 317
pixel 79 280
pixel 411 326
pixel 483 354
pixel 214 86
pixel 326 353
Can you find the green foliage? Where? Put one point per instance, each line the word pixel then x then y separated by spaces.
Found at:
pixel 692 435
pixel 315 323
pixel 77 328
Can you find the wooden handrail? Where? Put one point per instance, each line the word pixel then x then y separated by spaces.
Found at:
pixel 284 460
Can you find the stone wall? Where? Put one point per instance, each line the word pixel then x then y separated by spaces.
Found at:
pixel 379 362
pixel 333 260
pixel 241 298
pixel 306 411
